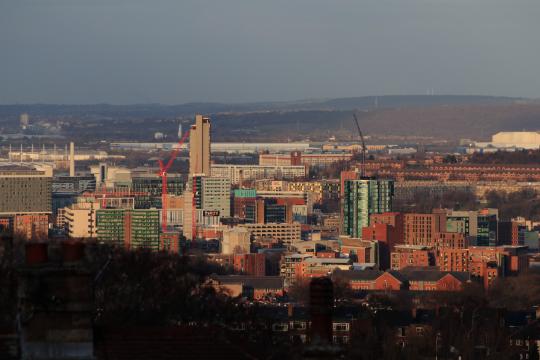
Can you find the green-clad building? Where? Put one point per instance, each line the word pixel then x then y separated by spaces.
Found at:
pixel 133 229
pixel 361 198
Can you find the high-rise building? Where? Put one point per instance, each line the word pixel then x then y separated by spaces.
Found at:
pixel 206 201
pixel 212 194
pixel 199 146
pixel 361 198
pixel 131 229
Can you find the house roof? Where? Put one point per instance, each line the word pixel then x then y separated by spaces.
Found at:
pixel 328 261
pixel 357 275
pixel 433 275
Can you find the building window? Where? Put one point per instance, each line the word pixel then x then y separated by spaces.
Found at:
pixel 341 326
pixel 281 327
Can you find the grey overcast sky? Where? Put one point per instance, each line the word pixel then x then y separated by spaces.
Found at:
pixel 176 51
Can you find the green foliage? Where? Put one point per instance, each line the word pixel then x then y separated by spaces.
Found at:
pixel 507 157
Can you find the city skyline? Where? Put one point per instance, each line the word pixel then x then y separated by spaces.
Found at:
pixel 348 226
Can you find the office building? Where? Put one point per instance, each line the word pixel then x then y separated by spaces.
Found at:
pixel 243 204
pixel 211 194
pixel 207 201
pixel 199 147
pixel 363 197
pixel 480 226
pixel 148 189
pixel 73 184
pixel 24 190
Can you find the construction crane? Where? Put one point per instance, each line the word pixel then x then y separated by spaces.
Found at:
pixel 363 163
pixel 163 168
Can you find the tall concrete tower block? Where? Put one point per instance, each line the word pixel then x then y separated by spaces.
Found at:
pixel 71 159
pixel 199 146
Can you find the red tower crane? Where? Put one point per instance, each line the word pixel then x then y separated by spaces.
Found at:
pixel 163 168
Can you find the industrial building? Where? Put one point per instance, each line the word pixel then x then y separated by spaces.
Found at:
pixel 508 141
pixel 307 159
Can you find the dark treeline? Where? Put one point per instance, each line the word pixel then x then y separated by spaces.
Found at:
pixel 143 288
pixel 524 203
pixel 424 201
pixel 507 157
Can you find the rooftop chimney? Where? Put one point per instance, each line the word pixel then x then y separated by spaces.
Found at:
pixel 71 159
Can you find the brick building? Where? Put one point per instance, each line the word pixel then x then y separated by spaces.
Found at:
pixel 451 259
pixel 415 280
pixel 412 256
pixel 420 229
pixel 450 240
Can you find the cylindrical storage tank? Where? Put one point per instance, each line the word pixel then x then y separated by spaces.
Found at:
pixel 36 253
pixel 72 251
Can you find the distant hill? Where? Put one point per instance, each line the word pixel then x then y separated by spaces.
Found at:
pixel 399 101
pixel 439 121
pixel 154 110
pixel 443 117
